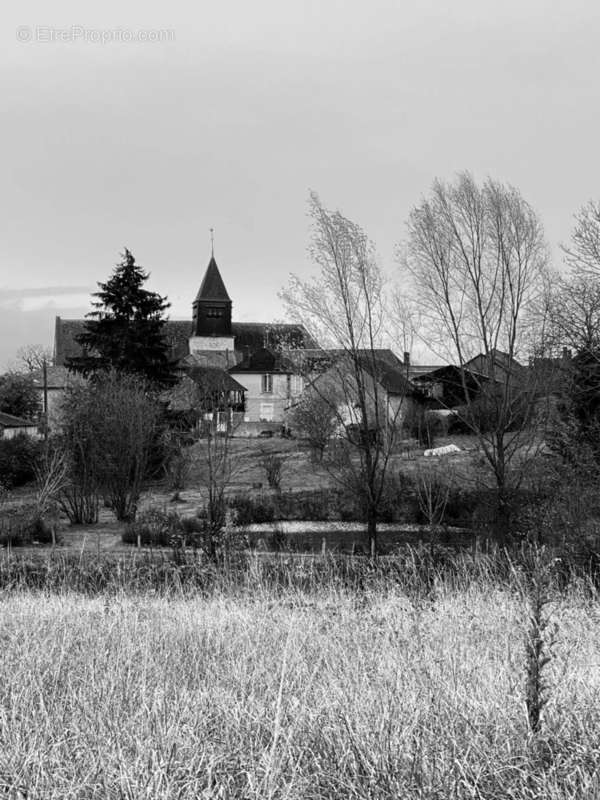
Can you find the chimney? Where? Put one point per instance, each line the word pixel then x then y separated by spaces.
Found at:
pixel 406 360
pixel 566 354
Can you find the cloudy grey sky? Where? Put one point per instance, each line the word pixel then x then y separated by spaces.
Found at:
pixel 244 107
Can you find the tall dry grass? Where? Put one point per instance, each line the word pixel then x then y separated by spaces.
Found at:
pixel 295 693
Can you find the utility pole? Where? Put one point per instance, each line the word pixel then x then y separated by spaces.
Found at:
pixel 45 377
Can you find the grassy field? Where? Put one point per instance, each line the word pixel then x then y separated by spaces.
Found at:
pixel 294 695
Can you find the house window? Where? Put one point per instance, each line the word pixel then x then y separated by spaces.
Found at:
pixel 266 412
pixel 267 384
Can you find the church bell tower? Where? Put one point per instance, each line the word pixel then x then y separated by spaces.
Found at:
pixel 211 325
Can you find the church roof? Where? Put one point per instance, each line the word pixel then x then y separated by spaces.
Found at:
pixel 248 337
pixel 212 286
pixel 264 360
pixel 281 336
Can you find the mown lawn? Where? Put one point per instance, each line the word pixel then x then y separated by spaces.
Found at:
pixel 292 695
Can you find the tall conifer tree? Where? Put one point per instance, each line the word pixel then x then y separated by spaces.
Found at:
pixel 125 332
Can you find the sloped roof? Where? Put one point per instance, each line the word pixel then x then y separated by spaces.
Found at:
pixel 319 359
pixel 415 370
pixel 391 377
pixel 65 344
pixel 499 359
pixel 383 366
pixel 248 336
pixel 176 333
pixel 264 360
pixel 449 373
pixel 212 286
pixel 215 378
pixel 193 389
pixel 282 336
pixel 210 358
pixel 395 381
pixel 9 421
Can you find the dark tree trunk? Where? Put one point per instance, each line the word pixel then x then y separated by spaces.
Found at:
pixel 372 531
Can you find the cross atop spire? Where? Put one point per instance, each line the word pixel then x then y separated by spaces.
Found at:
pixel 212 242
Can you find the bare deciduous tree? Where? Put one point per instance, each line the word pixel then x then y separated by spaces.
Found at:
pixel 343 308
pixel 573 329
pixel 79 496
pixel 126 422
pixel 32 357
pixel 477 257
pixel 212 400
pixel 582 254
pixel 433 485
pixel 177 461
pixel 51 473
pixel 109 427
pixel 572 302
pixel 573 314
pixel 314 417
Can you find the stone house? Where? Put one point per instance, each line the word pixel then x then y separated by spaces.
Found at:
pixel 391 398
pixel 272 384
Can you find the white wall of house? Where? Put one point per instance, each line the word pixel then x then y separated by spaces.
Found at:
pixel 267 398
pixel 395 407
pixel 28 430
pixel 400 408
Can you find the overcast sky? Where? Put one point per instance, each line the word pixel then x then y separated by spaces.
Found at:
pixel 244 107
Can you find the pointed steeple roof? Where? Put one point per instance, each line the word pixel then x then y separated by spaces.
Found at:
pixel 212 286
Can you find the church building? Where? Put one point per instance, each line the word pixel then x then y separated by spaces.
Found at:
pixel 251 353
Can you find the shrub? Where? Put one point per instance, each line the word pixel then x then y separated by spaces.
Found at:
pixel 197 524
pixel 273 466
pixel 154 527
pixel 400 502
pixel 277 540
pixel 17 460
pixel 24 526
pixel 315 505
pixel 315 417
pixel 109 430
pixel 19 396
pixel 248 510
